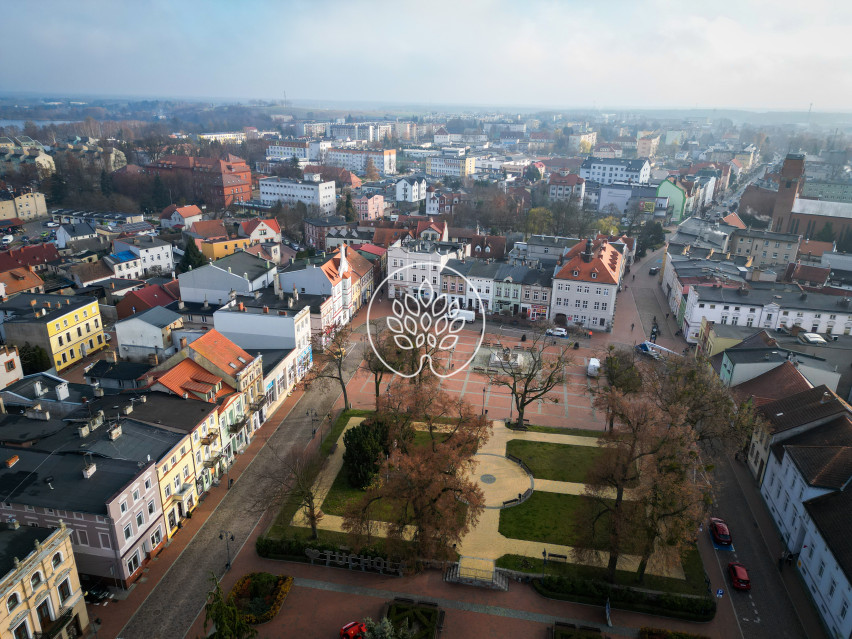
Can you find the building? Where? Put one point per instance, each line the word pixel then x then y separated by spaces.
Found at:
pixel 156 254
pixel 342 178
pixel 584 287
pixel 148 334
pixel 218 249
pixel 25 207
pixel 218 183
pixel 450 166
pixel 13 156
pixel 541 250
pixel 113 507
pixel 566 188
pixel 411 189
pixel 582 142
pixel 36 256
pixel 20 280
pixel 317 228
pixel 67 327
pixel 74 233
pixel 147 297
pixel 261 230
pixel 225 137
pixel 765 248
pixel 369 206
pixel 124 265
pixel 10 366
pixel 180 216
pixel 646 146
pixel 311 192
pixel 40 584
pixel 318 277
pixel 607 151
pixel 414 262
pixel 356 160
pixel 240 272
pixel 303 150
pixel 609 170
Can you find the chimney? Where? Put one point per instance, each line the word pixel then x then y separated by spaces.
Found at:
pixel 126 410
pixel 265 310
pixel 153 360
pixel 61 391
pixel 111 357
pixel 83 431
pixel 242 307
pixel 89 470
pixel 206 304
pixel 36 412
pixel 181 305
pixel 182 343
pixel 257 294
pixel 114 432
pixel 12 461
pixel 295 293
pixel 825 397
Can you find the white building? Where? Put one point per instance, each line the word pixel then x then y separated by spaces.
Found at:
pixel 355 160
pixel 148 333
pixel 411 189
pixel 156 255
pixel 807 490
pixel 303 150
pixel 310 191
pixel 411 263
pixel 266 322
pixel 584 288
pixel 566 188
pixel 318 277
pixel 125 265
pixel 446 165
pixel 240 272
pixel 609 170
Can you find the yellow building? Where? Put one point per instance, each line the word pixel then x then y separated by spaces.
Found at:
pixel 216 249
pixel 713 338
pixel 40 586
pixel 68 327
pixel 27 207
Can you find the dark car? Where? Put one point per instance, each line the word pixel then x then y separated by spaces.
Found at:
pixel 653 270
pixel 739 576
pixel 353 630
pixel 720 532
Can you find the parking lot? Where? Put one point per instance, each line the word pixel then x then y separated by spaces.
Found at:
pixel 33 231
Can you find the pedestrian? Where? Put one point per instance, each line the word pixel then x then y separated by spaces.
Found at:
pixel 632 326
pixel 781 561
pixel 667 316
pixel 634 278
pixel 655 319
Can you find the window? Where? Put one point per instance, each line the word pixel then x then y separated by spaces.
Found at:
pixel 821 568
pixel 156 538
pixel 844 608
pixel 57 559
pixel 22 631
pixel 133 563
pixel 177 482
pixel 147 484
pixel 186 471
pixel 603 306
pixel 832 588
pixel 123 507
pixel 128 532
pixel 151 507
pixel 105 541
pixel 13 601
pixel 10 365
pixel 135 495
pixel 35 580
pixel 83 537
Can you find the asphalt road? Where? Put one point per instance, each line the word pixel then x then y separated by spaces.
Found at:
pixel 172 607
pixel 767 610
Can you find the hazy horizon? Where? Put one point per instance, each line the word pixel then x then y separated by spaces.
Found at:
pixel 753 56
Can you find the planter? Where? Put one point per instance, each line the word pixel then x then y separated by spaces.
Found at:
pixel 260 595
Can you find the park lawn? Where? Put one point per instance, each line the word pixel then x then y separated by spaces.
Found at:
pixel 552 518
pixel 557 462
pixel 694 584
pixel 553 430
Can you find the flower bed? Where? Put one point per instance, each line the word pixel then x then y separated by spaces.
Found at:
pixel 260 595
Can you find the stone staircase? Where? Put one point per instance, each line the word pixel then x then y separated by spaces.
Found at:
pixel 474 571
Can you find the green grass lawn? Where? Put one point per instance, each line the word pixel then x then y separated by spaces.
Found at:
pixel 694 584
pixel 558 462
pixel 552 518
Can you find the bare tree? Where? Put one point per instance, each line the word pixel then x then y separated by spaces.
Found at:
pixel 291 480
pixel 531 374
pixel 335 351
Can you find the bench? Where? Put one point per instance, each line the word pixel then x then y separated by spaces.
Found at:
pixel 594 629
pixel 566 625
pixel 554 557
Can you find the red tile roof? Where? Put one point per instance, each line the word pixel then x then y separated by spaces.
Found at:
pixel 210 229
pixel 734 220
pixel 188 376
pixel 148 297
pixel 782 381
pixel 815 248
pixel 604 267
pixel 807 273
pixel 183 211
pixel 20 279
pixel 372 248
pixel 28 256
pixel 250 225
pixel 385 237
pixel 565 180
pixel 221 352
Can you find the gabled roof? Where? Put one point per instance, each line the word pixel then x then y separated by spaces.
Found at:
pixel 778 383
pixel 372 248
pixel 183 211
pixel 28 256
pixel 78 230
pixel 189 377
pixel 242 263
pixel 807 273
pixel 830 513
pixel 823 466
pixel 221 352
pixel 385 237
pixel 357 263
pixel 732 219
pixel 20 279
pixel 154 295
pixel 157 316
pixel 209 229
pixel 802 408
pixel 250 225
pixel 91 271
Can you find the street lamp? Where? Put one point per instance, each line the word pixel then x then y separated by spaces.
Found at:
pixel 228 536
pixel 314 419
pixel 484 388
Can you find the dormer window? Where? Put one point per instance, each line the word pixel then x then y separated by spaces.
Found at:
pixel 576 273
pixel 594 276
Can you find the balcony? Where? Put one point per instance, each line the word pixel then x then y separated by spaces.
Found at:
pixel 210 437
pixel 238 425
pixel 257 404
pixel 211 463
pixel 55 627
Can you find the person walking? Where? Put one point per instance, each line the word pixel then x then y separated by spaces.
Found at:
pixel 667 316
pixel 632 326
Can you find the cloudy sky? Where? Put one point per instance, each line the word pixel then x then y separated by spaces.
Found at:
pixel 605 54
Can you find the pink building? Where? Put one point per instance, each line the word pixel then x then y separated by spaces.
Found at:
pixel 369 207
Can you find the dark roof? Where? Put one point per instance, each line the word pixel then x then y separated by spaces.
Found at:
pixel 271 358
pixel 18 544
pixel 823 466
pixel 59 305
pixel 830 513
pixel 332 220
pixel 25 388
pixel 782 381
pixel 802 408
pixel 102 369
pixel 163 409
pixel 25 482
pixel 20 429
pixel 78 230
pixel 242 262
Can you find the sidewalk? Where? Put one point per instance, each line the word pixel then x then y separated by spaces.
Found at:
pixel 802 602
pixel 118 612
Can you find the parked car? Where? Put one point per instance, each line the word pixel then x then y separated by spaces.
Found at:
pixel 653 270
pixel 720 532
pixel 594 367
pixel 8 239
pixel 353 630
pixel 467 316
pixel 557 332
pixel 51 225
pixel 739 576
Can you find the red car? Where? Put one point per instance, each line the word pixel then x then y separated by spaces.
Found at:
pixel 353 630
pixel 719 531
pixel 739 576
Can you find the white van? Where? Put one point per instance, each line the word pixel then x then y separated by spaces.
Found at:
pixel 8 239
pixel 594 367
pixel 467 316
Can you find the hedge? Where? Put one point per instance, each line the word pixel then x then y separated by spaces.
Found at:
pixel 242 595
pixel 294 549
pixel 661 633
pixel 596 593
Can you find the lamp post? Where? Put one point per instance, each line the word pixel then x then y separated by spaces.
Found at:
pixel 484 389
pixel 228 536
pixel 314 419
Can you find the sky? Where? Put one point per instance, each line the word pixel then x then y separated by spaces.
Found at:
pixel 779 55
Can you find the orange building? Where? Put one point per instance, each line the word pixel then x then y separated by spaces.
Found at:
pixel 217 182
